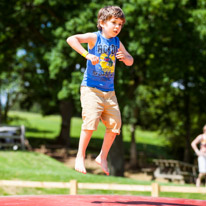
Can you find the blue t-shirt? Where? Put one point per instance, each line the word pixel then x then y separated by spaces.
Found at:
pixel 101 75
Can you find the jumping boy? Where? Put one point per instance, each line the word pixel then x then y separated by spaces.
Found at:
pixel 98 99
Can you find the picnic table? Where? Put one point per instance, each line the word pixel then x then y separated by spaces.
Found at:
pixel 175 170
pixel 12 137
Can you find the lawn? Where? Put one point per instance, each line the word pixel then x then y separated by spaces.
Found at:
pixel 49 127
pixel 40 129
pixel 20 165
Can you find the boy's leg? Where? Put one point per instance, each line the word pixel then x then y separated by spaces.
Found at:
pixel 85 137
pixel 102 157
pixel 92 107
pixel 111 118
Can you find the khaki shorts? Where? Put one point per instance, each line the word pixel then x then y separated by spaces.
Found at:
pixel 97 105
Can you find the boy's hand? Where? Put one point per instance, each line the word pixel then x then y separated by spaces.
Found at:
pixel 94 59
pixel 120 55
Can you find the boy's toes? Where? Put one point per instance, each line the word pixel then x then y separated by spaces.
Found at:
pixel 79 165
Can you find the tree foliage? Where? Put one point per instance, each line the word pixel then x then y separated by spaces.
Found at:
pixel 164 89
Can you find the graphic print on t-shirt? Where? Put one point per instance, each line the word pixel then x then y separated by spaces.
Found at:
pixel 107 63
pixel 107 60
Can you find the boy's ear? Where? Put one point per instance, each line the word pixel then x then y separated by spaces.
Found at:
pixel 102 23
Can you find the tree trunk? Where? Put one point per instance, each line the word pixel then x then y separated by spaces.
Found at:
pixel 6 109
pixel 133 148
pixel 0 111
pixel 0 105
pixel 116 157
pixel 66 109
pixel 11 98
pixel 0 114
pixel 187 155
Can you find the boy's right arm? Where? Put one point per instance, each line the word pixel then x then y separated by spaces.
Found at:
pixel 75 42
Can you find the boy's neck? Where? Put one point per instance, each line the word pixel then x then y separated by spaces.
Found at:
pixel 105 35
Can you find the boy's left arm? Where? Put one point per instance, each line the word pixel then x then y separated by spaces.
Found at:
pixel 124 56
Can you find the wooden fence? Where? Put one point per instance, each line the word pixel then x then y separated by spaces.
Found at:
pixel 73 186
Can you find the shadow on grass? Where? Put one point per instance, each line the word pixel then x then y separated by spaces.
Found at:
pixel 30 129
pixel 36 142
pixel 147 150
pixel 17 119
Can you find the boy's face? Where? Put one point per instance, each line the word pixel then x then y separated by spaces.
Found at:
pixel 111 27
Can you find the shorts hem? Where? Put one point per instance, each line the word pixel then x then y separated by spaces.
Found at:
pixel 93 129
pixel 113 131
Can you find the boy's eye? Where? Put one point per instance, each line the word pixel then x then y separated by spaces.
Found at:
pixel 113 22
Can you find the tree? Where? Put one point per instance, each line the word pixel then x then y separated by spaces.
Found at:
pixel 171 55
pixel 33 28
pixel 162 89
pixel 9 78
pixel 39 30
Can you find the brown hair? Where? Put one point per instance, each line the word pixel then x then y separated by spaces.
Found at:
pixel 108 12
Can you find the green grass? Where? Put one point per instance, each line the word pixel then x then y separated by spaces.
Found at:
pixel 19 165
pixel 37 125
pixel 33 166
pixel 49 127
pixel 38 167
pixel 41 129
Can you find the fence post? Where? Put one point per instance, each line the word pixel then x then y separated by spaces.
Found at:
pixel 155 189
pixel 73 187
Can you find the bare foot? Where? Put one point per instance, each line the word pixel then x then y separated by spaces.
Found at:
pixel 79 165
pixel 103 164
